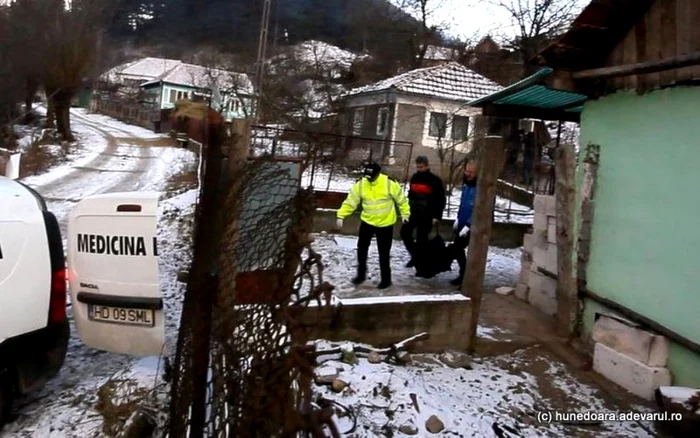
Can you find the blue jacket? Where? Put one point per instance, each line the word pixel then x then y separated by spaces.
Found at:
pixel 466 206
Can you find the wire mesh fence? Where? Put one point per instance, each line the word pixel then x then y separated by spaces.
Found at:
pixel 328 156
pixel 254 377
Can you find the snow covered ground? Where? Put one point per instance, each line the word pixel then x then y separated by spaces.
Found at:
pixel 340 261
pixel 112 157
pixel 490 397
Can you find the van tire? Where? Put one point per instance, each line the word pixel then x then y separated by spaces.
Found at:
pixel 7 394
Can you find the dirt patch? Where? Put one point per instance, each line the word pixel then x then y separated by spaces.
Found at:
pixel 39 157
pixel 117 400
pixel 182 182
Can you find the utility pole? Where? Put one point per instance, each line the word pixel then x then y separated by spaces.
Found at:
pixel 262 50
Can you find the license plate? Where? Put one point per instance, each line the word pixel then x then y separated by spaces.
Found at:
pixel 118 315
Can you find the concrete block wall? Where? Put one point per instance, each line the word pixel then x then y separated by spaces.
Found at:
pixel 630 356
pixel 540 254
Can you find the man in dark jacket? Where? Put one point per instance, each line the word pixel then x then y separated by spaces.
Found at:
pixel 426 197
pixel 464 219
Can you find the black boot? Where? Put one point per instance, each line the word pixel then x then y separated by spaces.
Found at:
pixel 384 284
pixel 359 279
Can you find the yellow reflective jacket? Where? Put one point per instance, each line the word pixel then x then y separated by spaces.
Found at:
pixel 378 199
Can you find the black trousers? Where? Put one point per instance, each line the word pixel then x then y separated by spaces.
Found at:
pixel 385 237
pixel 422 226
pixel 459 244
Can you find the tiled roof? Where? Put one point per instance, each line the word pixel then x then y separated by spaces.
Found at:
pixel 451 81
pixel 146 68
pixel 191 75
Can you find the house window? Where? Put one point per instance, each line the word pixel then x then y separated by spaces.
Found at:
pixel 460 128
pixel 236 105
pixel 173 97
pixel 357 121
pixel 382 121
pixel 438 125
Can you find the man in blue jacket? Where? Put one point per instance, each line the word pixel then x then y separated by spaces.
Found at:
pixel 464 219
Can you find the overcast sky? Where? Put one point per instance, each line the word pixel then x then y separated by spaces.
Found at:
pixel 469 19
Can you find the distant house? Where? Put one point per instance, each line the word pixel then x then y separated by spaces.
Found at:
pixel 500 65
pixel 137 72
pixel 426 107
pixel 632 78
pixel 227 92
pixel 436 55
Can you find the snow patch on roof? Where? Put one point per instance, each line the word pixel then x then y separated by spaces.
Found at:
pixel 197 76
pixel 451 81
pixel 144 68
pixel 440 53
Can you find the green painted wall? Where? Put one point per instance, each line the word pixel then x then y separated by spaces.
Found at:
pixel 645 243
pixel 244 110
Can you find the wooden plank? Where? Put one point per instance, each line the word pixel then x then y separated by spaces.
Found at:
pixel 641 68
pixel 616 58
pixel 630 57
pixel 640 31
pixel 694 7
pixel 654 43
pixel 684 26
pixel 668 38
pixel 565 198
pixel 492 159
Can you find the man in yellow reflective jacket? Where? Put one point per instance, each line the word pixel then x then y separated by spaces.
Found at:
pixel 379 196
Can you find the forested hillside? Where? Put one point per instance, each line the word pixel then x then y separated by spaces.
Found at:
pixel 235 24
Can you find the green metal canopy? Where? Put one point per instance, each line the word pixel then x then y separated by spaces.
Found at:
pixel 530 98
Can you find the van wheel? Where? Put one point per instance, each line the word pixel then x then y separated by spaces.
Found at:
pixel 7 394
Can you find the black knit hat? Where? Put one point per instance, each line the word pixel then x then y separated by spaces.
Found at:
pixel 370 169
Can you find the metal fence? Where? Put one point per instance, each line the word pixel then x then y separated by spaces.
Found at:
pixel 129 112
pixel 243 367
pixel 329 157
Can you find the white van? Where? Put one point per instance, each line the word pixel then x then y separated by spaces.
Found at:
pixel 112 272
pixel 34 329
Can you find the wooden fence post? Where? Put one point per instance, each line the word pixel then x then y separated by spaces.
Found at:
pixel 491 159
pixel 565 193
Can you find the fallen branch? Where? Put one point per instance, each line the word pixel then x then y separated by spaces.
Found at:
pixel 397 351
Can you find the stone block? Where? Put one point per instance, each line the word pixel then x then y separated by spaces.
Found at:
pixel 549 287
pixel 636 377
pixel 539 299
pixel 539 204
pixel 546 258
pixel 522 291
pixel 539 223
pixel 539 239
pixel 632 341
pixel 524 274
pixel 551 206
pixel 552 233
pixel 658 354
pixel 528 243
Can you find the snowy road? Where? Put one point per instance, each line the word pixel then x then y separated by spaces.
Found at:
pixel 112 157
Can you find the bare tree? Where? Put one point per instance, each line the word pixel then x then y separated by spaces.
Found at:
pixel 72 37
pixel 538 22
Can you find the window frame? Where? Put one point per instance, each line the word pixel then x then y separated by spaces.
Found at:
pixel 430 125
pixel 383 110
pixel 358 122
pixel 466 120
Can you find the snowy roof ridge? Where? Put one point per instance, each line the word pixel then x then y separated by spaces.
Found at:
pixel 199 76
pixel 450 81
